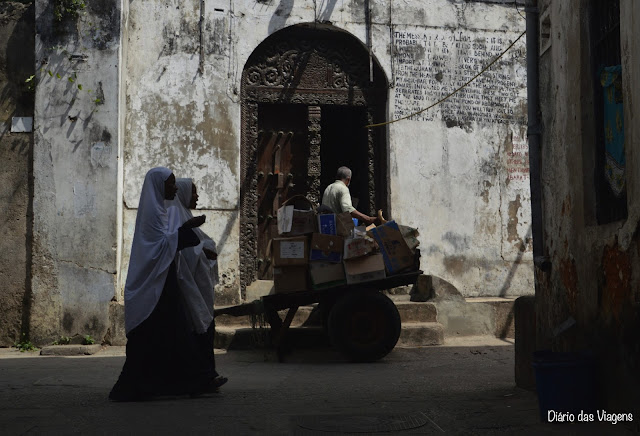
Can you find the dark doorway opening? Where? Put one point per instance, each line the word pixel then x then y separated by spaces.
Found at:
pixel 345 143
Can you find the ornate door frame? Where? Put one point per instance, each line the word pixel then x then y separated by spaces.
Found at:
pixel 313 66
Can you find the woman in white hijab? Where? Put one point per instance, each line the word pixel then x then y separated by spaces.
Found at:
pixel 196 267
pixel 164 356
pixel 197 272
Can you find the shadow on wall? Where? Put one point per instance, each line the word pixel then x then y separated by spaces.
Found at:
pixel 280 16
pixel 323 9
pixel 227 231
pixel 507 283
pixel 522 249
pixel 326 8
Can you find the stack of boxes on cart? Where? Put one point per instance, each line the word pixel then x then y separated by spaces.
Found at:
pixel 319 251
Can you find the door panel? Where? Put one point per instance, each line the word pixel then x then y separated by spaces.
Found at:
pixel 281 169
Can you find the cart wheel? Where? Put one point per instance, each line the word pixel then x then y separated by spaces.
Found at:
pixel 364 326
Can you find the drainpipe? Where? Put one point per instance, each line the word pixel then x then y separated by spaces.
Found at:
pixel 367 14
pixel 534 133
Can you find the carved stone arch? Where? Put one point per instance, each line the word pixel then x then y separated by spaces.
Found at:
pixel 317 66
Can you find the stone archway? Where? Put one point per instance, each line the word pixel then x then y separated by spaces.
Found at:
pixel 305 72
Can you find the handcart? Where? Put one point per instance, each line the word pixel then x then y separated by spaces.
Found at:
pixel 361 321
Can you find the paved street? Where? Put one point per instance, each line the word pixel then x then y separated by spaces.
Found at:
pixel 462 388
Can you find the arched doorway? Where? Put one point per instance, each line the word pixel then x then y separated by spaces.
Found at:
pixel 306 96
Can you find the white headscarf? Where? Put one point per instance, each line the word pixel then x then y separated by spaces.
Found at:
pixel 154 247
pixel 197 275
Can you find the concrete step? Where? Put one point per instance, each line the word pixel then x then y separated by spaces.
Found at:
pixel 491 316
pixel 302 317
pixel 70 350
pixel 305 315
pixel 503 314
pixel 421 334
pixel 247 338
pixel 413 334
pixel 417 312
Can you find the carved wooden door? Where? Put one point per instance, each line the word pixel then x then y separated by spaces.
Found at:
pixel 282 169
pixel 306 82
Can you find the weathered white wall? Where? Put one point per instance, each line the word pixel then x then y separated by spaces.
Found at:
pixel 459 172
pixel 461 179
pixel 75 171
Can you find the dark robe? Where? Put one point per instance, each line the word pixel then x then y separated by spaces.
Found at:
pixel 164 355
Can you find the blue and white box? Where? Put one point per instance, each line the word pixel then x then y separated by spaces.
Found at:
pixel 327 224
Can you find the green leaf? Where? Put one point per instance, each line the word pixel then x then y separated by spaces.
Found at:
pixel 80 87
pixel 70 79
pixel 58 76
pixel 50 73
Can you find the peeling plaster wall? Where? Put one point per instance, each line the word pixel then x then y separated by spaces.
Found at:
pixel 449 175
pixel 75 167
pixel 16 65
pixel 594 276
pixel 465 184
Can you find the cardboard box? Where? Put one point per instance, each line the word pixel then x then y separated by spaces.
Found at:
pixel 364 269
pixel 327 224
pixel 358 247
pixel 290 279
pixel 290 251
pixel 326 275
pixel 395 251
pixel 326 248
pixel 344 224
pixel 295 222
pixel 410 236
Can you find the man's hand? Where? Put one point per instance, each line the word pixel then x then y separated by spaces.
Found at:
pixel 370 220
pixel 196 221
pixel 211 255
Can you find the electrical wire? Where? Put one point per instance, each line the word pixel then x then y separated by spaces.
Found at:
pixel 515 3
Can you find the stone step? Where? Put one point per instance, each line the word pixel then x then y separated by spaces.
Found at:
pixel 421 334
pixel 302 317
pixel 305 315
pixel 243 338
pixel 491 316
pixel 414 334
pixel 417 312
pixel 503 314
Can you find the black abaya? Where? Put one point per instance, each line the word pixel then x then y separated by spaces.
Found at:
pixel 164 355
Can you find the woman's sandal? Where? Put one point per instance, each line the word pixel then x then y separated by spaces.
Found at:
pixel 212 387
pixel 219 381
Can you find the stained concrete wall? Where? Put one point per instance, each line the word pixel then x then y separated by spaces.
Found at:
pixel 184 119
pixel 594 276
pixel 75 167
pixel 16 100
pixel 458 173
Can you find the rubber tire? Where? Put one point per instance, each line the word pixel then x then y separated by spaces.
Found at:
pixel 364 325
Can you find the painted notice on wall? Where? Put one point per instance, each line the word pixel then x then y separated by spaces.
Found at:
pixel 429 64
pixel 518 157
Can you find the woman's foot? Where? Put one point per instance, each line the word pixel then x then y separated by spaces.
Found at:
pixel 219 381
pixel 212 387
